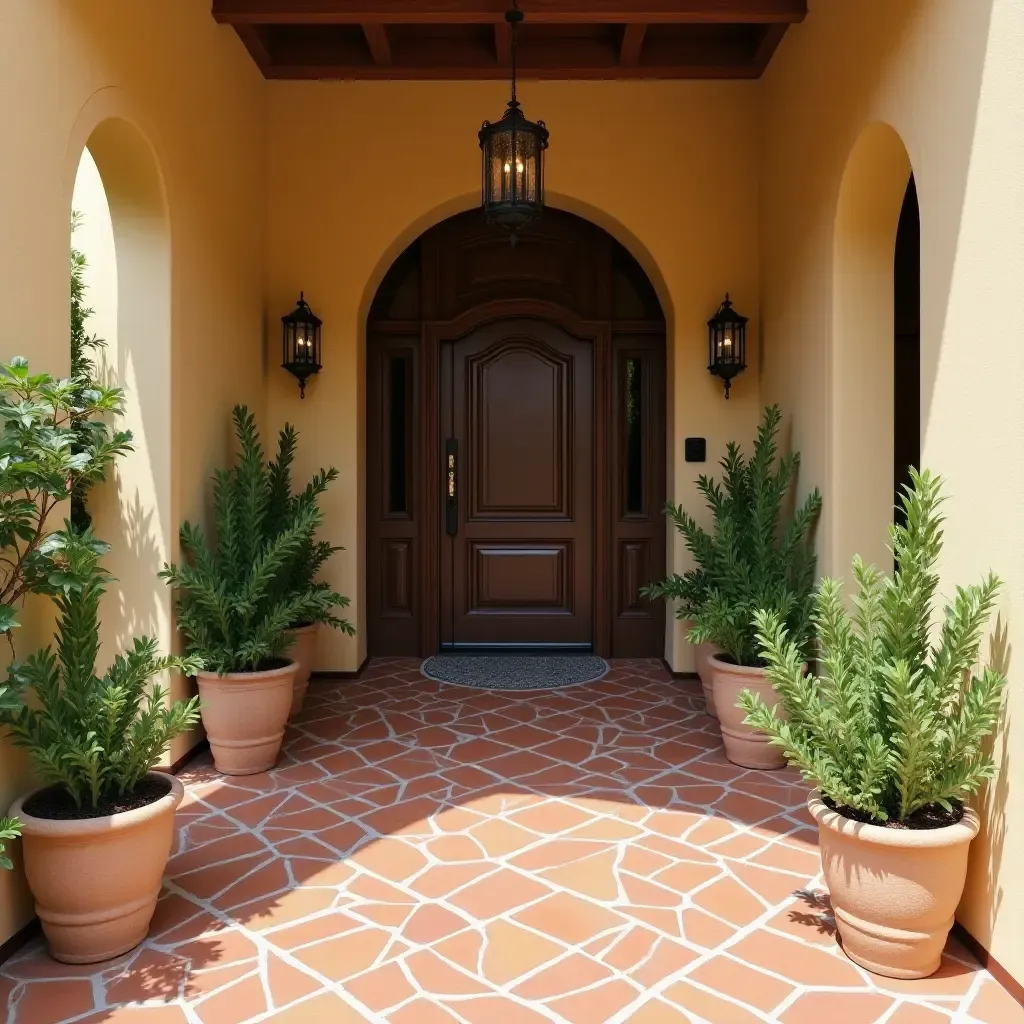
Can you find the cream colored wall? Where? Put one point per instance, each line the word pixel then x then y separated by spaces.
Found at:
pixel 948 76
pixel 646 161
pixel 139 81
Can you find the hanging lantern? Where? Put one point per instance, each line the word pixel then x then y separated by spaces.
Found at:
pixel 727 343
pixel 300 343
pixel 513 158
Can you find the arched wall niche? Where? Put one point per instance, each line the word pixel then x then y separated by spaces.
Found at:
pixel 449 280
pixel 859 505
pixel 133 509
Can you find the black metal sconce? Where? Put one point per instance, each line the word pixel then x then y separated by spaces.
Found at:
pixel 300 343
pixel 727 343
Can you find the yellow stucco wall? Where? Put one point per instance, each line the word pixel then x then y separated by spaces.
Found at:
pixel 164 85
pixel 393 158
pixel 948 78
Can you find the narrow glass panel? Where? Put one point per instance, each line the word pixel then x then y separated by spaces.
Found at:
pixel 634 437
pixel 398 424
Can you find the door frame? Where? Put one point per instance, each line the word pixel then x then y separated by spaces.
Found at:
pixel 430 498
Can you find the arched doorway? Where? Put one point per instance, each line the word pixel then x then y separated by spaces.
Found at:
pixel 906 290
pixel 515 444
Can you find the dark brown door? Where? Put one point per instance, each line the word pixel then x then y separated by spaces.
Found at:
pixel 517 484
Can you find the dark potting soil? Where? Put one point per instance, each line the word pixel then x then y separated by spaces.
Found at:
pixel 932 816
pixel 55 804
pixel 272 663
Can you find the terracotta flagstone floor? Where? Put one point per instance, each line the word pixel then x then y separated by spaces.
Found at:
pixel 426 853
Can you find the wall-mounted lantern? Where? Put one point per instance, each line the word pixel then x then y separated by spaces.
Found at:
pixel 727 343
pixel 300 343
pixel 513 157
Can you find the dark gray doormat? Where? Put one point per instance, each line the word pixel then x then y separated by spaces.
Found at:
pixel 515 671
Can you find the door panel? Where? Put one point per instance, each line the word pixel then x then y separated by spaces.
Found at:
pixel 517 401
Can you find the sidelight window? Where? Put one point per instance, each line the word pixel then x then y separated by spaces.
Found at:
pixel 398 435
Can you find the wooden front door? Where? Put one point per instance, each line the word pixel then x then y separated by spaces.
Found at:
pixel 541 369
pixel 517 422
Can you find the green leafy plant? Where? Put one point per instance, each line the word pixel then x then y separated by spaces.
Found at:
pixel 84 379
pixel 894 724
pixel 749 560
pixel 10 828
pixel 53 435
pixel 300 575
pixel 94 737
pixel 233 609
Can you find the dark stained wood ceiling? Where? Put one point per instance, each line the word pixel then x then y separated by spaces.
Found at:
pixel 468 39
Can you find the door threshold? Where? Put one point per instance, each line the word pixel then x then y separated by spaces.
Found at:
pixel 462 648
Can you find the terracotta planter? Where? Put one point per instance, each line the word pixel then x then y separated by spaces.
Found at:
pixel 744 746
pixel 894 891
pixel 702 654
pixel 301 652
pixel 244 714
pixel 95 881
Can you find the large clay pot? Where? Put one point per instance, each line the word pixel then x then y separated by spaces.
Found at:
pixel 702 655
pixel 744 746
pixel 244 714
pixel 96 880
pixel 894 890
pixel 301 651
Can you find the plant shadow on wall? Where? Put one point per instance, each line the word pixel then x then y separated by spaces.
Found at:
pixel 135 547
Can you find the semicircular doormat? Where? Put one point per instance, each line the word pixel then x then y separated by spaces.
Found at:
pixel 515 671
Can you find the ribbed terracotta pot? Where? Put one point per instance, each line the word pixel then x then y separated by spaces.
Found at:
pixel 302 650
pixel 244 714
pixel 702 655
pixel 744 746
pixel 95 881
pixel 894 891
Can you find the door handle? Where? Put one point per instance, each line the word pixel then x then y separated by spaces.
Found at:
pixel 451 476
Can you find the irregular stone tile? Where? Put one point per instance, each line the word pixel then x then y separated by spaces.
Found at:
pixel 994 1005
pixel 569 918
pixel 595 1005
pixel 848 1007
pixel 150 975
pixel 381 987
pixel 728 899
pixel 322 927
pixel 806 966
pixel 733 978
pixel 439 978
pixel 346 955
pixel 48 1002
pixel 234 1005
pixel 708 1006
pixel 497 893
pixel 594 877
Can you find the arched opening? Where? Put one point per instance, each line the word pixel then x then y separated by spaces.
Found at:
pixel 906 287
pixel 123 238
pixel 875 404
pixel 515 461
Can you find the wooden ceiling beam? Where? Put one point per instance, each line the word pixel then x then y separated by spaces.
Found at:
pixel 502 43
pixel 632 44
pixel 377 41
pixel 565 12
pixel 474 72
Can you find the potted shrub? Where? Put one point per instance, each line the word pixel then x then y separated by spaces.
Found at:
pixel 234 615
pixel 752 560
pixel 891 735
pixel 97 836
pixel 300 575
pixel 55 442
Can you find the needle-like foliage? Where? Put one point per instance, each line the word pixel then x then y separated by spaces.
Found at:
pixel 301 574
pixel 749 560
pixel 895 722
pixel 96 737
pixel 234 605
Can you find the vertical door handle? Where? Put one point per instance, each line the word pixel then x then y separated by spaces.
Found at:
pixel 451 486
